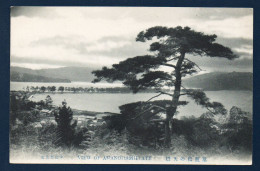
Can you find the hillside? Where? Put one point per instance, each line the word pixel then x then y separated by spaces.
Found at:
pixel 221 81
pixel 25 77
pixel 69 73
pixel 209 81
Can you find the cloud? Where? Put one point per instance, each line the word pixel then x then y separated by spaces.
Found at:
pixel 97 36
pixel 107 55
pixel 215 64
pixel 222 13
pixel 43 12
pixel 235 42
pixel 122 47
pixel 241 46
pixel 230 27
pixel 35 66
pixel 112 46
pixel 66 42
pixel 164 14
pixel 129 50
pixel 49 62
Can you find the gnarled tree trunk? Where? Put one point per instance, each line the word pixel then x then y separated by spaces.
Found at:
pixel 175 100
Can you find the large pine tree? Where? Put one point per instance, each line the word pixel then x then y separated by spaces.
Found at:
pixel 169 47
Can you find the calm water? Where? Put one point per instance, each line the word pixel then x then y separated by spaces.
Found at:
pixel 107 102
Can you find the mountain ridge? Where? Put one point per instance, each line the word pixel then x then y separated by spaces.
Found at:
pixel 221 81
pixel 70 73
pixel 208 81
pixel 25 77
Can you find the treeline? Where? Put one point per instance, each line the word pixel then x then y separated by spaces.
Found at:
pixel 61 89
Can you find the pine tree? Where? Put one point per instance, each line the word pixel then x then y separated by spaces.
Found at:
pixel 169 48
pixel 48 101
pixel 65 127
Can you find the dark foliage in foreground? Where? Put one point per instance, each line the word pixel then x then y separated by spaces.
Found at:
pixel 203 132
pixel 26 126
pixel 21 109
pixel 132 132
pixel 238 130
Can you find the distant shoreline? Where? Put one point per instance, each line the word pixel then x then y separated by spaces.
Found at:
pixel 51 93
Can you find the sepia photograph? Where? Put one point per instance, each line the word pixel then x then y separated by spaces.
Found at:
pixel 131 85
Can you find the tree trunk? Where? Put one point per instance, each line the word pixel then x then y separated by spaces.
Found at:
pixel 167 134
pixel 175 100
pixel 168 131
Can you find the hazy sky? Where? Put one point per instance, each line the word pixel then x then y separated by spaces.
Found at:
pixel 49 37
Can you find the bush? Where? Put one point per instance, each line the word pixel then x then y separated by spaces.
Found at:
pixel 238 136
pixel 116 122
pixel 197 131
pixel 237 132
pixel 81 138
pixel 141 133
pixel 108 142
pixel 233 131
pixel 25 117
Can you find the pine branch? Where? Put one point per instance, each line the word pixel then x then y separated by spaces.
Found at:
pixel 165 93
pixel 201 99
pixel 150 108
pixel 169 65
pixel 154 97
pixel 171 59
pixel 184 87
pixel 157 120
pixel 143 112
pixel 159 107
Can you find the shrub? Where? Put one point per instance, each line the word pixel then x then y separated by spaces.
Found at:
pixel 116 122
pixel 198 131
pixel 108 142
pixel 81 138
pixel 237 132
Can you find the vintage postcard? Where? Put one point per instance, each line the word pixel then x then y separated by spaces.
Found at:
pixel 131 85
